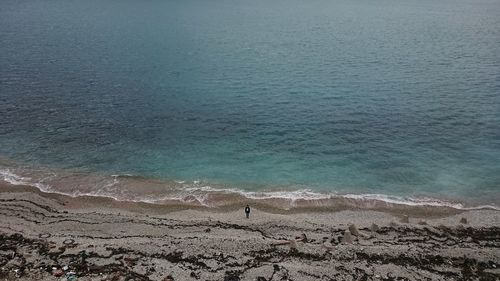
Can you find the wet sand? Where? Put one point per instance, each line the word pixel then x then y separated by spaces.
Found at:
pixel 103 239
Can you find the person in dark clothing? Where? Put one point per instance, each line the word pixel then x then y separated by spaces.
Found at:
pixel 247 211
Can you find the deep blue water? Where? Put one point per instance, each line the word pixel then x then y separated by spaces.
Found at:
pixel 398 97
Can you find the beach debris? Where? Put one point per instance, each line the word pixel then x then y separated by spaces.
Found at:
pixel 374 227
pixel 70 276
pixel 405 219
pixel 131 261
pixel 463 220
pixel 354 230
pixel 231 276
pixel 17 272
pixel 208 230
pixel 57 273
pixel 422 222
pixel 434 231
pixel 347 237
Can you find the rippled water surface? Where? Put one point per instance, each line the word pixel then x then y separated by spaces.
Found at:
pixel 387 97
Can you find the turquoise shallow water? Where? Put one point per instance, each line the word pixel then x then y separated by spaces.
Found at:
pixel 388 97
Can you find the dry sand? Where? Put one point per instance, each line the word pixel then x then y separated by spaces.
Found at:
pixel 103 239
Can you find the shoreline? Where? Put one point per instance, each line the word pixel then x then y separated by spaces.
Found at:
pixel 127 188
pixel 300 205
pixel 105 239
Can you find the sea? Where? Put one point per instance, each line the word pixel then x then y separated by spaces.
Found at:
pixel 214 102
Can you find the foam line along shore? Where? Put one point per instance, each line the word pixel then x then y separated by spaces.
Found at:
pixel 138 189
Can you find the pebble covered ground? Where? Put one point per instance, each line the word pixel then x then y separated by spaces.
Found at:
pixel 41 240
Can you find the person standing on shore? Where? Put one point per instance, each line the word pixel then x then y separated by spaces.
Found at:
pixel 247 211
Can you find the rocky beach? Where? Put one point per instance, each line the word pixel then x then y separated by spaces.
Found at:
pixel 364 136
pixel 56 237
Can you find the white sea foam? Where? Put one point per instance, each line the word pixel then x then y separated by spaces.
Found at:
pixel 15 179
pixel 198 193
pixel 307 194
pixel 405 201
pixel 12 178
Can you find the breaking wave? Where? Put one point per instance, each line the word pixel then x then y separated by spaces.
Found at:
pixel 132 188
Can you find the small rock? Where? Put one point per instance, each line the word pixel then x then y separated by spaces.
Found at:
pixel 463 220
pixel 374 227
pixel 69 241
pixel 422 222
pixel 393 224
pixel 442 227
pixel 208 230
pixel 168 278
pixel 347 237
pixel 353 230
pixel 44 235
pixel 303 237
pixel 405 219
